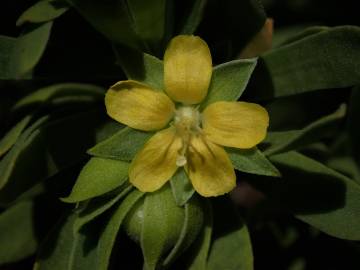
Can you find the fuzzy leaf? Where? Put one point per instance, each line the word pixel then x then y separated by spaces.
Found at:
pixel 62 90
pixel 42 11
pixel 229 81
pixel 110 232
pixel 28 50
pixel 99 205
pixel 231 247
pixel 321 61
pixel 194 17
pixel 17 236
pixel 283 141
pixel 65 249
pixel 122 146
pixel 13 134
pixel 252 161
pixel 332 200
pixel 98 177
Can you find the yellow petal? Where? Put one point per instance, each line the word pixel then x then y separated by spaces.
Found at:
pixel 261 42
pixel 187 69
pixel 138 106
pixel 235 124
pixel 209 168
pixel 154 165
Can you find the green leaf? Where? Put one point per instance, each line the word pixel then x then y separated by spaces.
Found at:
pixel 161 227
pixel 50 148
pixel 283 141
pixel 141 67
pixel 229 81
pixel 193 19
pixel 110 232
pixel 99 205
pixel 98 177
pixel 252 161
pixel 296 67
pixel 148 18
pixel 181 187
pixel 193 223
pixel 318 195
pixel 232 24
pixel 122 146
pixel 13 134
pixel 290 34
pixel 231 247
pixel 28 50
pixel 65 249
pixel 113 19
pixel 17 237
pixel 6 47
pixel 304 34
pixel 353 119
pixel 57 91
pixel 29 139
pixel 42 11
pixel 199 251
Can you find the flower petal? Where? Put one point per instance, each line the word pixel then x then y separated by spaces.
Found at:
pixel 235 124
pixel 154 165
pixel 209 168
pixel 187 69
pixel 138 106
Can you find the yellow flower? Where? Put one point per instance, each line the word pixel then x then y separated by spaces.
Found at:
pixel 185 136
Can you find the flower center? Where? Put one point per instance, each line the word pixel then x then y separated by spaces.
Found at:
pixel 187 123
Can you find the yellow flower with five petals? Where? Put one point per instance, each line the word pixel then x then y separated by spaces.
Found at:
pixel 185 136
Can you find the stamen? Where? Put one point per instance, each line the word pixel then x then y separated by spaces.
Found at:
pixel 181 161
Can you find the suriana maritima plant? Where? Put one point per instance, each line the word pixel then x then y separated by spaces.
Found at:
pixel 170 166
pixel 194 137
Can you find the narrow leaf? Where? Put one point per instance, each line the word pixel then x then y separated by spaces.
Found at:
pixel 110 232
pixel 332 200
pixel 231 247
pixel 97 206
pixel 28 50
pixel 305 65
pixel 13 134
pixel 194 17
pixel 283 141
pixel 42 11
pixel 98 177
pixel 17 237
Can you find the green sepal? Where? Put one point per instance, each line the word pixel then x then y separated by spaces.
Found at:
pixel 229 81
pixel 181 187
pixel 252 161
pixel 123 145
